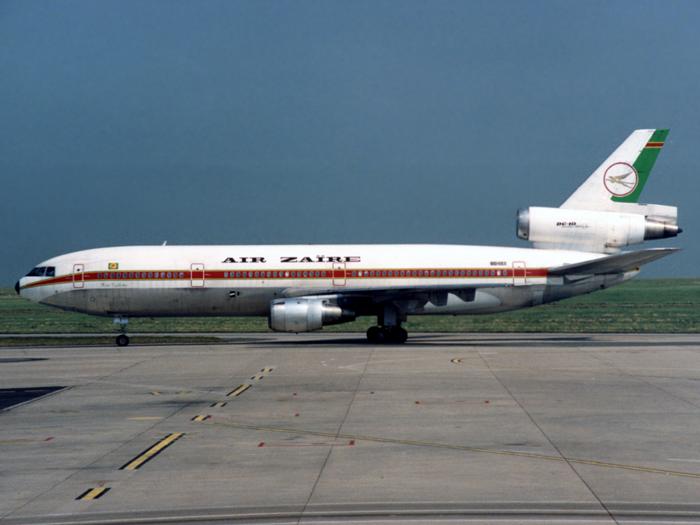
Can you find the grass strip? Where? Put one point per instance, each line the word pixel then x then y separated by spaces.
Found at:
pixel 105 341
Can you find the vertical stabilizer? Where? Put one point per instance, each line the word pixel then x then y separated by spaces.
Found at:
pixel 619 180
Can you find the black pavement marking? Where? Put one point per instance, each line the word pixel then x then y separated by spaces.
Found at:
pixel 21 359
pixel 11 397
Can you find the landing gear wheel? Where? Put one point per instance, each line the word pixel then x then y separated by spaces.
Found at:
pixel 387 334
pixel 398 335
pixel 374 333
pixel 122 340
pixel 395 334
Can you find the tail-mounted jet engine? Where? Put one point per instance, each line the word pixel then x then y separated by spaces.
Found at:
pixel 594 230
pixel 305 315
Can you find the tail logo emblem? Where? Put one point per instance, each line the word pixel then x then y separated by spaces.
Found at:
pixel 620 179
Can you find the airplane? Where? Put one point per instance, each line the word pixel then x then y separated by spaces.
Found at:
pixel 577 249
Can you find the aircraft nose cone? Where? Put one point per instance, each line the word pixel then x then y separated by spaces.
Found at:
pixel 17 287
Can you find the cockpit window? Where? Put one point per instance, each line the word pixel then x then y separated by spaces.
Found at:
pixel 42 271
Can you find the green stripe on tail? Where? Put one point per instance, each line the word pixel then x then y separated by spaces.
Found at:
pixel 644 164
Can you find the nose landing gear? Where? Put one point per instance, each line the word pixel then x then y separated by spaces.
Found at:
pixel 122 339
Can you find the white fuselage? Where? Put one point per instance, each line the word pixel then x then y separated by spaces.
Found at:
pixel 152 281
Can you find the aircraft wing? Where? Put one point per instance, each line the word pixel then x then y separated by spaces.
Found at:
pixel 618 263
pixel 381 294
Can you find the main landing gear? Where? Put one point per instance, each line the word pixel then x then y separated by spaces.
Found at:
pixel 389 329
pixel 387 334
pixel 122 339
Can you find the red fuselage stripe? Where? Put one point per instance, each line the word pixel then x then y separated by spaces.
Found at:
pixel 256 275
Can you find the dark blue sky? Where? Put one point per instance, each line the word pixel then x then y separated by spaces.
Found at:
pixel 298 122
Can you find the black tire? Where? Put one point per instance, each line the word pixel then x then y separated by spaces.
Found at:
pixel 122 340
pixel 400 335
pixel 396 335
pixel 373 334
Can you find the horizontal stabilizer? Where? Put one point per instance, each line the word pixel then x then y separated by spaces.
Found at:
pixel 619 263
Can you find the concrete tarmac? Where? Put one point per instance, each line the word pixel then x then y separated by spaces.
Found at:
pixel 325 428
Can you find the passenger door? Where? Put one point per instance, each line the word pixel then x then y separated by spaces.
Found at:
pixel 339 274
pixel 197 275
pixel 78 275
pixel 519 273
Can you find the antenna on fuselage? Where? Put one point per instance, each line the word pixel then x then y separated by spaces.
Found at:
pixel 165 243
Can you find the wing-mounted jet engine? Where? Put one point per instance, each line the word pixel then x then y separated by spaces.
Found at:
pixel 305 314
pixel 603 215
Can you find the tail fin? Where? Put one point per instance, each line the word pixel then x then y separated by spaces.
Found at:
pixel 621 178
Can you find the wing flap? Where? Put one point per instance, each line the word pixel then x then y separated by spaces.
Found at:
pixel 618 263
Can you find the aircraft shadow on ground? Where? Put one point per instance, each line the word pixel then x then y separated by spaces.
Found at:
pixel 448 341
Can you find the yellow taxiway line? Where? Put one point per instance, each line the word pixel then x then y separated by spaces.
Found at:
pixel 238 390
pixel 151 452
pixel 94 493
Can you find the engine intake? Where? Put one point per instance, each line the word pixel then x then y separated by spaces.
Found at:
pixel 305 315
